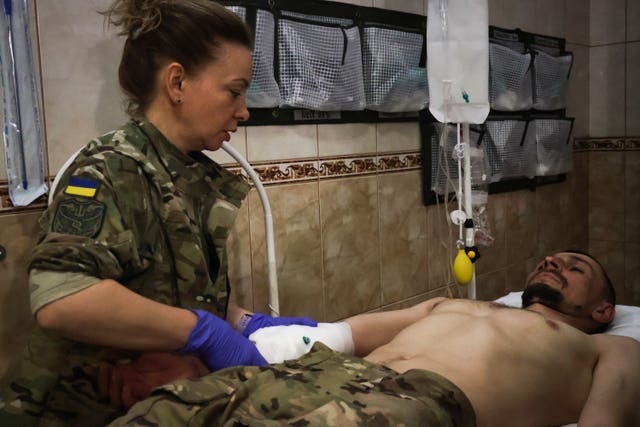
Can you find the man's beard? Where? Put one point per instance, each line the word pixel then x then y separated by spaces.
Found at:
pixel 542 293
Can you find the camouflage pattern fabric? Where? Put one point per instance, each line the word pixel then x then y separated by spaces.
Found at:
pixel 146 215
pixel 322 388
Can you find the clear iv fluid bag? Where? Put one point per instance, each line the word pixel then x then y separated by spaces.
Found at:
pixel 458 60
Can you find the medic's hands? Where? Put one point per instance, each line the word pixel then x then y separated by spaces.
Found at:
pixel 220 346
pixel 212 340
pixel 259 321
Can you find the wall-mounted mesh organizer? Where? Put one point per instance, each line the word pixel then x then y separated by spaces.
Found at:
pixel 328 62
pixel 510 149
pixel 520 151
pixel 526 138
pixel 444 163
pixel 551 69
pixel 320 63
pixel 510 71
pixel 527 71
pixel 263 91
pixel 554 151
pixel 395 74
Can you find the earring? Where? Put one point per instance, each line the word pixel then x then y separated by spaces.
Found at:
pixel 178 100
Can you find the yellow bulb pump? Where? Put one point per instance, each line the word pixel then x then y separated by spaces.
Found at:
pixel 462 268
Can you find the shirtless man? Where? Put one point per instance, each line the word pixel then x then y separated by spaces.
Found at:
pixel 517 367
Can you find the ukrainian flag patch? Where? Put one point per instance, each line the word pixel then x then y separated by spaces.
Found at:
pixel 82 187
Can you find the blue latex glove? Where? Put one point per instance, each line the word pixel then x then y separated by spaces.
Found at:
pixel 259 321
pixel 218 345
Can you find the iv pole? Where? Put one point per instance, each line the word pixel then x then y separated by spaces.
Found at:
pixel 468 207
pixel 458 69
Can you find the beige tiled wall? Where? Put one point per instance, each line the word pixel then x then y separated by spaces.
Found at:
pixel 614 159
pixel 633 87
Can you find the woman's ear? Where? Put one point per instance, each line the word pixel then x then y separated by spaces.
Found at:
pixel 172 81
pixel 604 312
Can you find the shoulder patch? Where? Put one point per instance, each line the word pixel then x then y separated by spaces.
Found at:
pixel 82 217
pixel 84 187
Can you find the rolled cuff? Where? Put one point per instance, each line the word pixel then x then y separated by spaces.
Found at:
pixel 46 286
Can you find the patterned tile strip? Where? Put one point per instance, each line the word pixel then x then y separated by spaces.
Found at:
pixel 331 168
pixel 289 171
pixel 284 172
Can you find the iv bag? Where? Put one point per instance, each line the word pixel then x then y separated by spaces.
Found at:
pixel 458 60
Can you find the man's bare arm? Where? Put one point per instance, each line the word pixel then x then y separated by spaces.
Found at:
pixel 371 330
pixel 615 390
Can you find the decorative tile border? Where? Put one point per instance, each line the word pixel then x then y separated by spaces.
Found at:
pixel 393 163
pixel 607 144
pixel 288 171
pixel 336 167
pixel 347 166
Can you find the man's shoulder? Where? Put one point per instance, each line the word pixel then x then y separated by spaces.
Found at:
pixel 613 347
pixel 618 341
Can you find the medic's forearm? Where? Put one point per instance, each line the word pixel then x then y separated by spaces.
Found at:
pixel 111 315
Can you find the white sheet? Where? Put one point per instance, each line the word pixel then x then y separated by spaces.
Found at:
pixel 626 322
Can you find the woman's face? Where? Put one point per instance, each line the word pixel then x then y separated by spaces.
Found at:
pixel 214 99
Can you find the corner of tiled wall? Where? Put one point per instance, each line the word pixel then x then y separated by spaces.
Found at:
pixel 614 117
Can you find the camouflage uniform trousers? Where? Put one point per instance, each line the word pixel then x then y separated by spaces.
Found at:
pixel 322 388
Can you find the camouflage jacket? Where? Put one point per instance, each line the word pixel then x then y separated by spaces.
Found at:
pixel 132 208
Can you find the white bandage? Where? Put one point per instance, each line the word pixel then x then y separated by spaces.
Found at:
pixel 280 343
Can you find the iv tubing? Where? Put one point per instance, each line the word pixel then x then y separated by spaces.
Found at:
pixel 268 222
pixel 468 207
pixel 459 149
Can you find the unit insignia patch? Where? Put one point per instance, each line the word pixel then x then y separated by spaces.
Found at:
pixel 82 217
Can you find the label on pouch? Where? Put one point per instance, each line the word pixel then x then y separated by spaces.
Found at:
pixel 301 115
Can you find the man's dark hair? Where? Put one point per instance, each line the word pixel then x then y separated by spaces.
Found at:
pixel 609 290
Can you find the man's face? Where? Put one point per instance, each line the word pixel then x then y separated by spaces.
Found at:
pixel 566 282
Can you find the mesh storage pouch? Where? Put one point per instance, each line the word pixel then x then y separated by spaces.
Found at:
pixel 510 80
pixel 395 80
pixel 551 80
pixel 317 18
pixel 444 161
pixel 510 154
pixel 238 10
pixel 554 152
pixel 263 92
pixel 320 65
